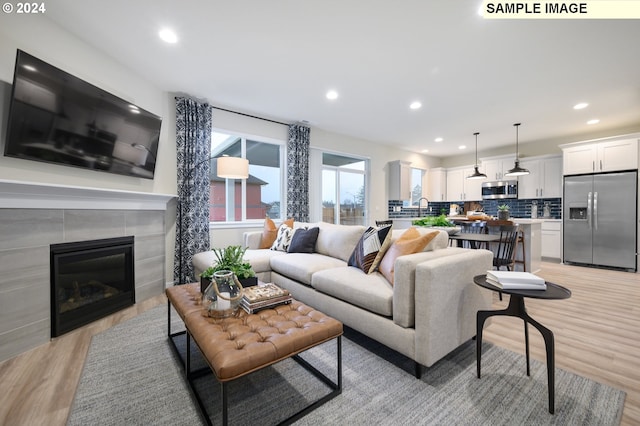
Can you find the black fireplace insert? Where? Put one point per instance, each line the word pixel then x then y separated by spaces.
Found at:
pixel 90 280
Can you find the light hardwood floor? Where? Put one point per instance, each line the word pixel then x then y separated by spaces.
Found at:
pixel 597 335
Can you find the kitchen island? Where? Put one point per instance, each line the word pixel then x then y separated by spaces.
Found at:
pixel 531 228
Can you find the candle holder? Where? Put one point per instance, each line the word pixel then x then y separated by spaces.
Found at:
pixel 222 297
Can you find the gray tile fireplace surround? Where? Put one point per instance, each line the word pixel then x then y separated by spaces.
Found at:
pixel 25 237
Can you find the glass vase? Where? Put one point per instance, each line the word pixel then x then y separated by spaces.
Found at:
pixel 222 297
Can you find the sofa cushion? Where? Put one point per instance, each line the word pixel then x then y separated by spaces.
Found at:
pixel 411 241
pixel 270 231
pixel 260 258
pixel 283 240
pixel 368 291
pixel 338 240
pixel 304 240
pixel 370 248
pixel 301 266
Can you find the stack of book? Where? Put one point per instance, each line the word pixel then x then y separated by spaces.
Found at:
pixel 264 296
pixel 515 280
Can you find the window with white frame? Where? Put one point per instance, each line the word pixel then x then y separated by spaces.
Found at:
pixel 261 194
pixel 344 189
pixel 417 177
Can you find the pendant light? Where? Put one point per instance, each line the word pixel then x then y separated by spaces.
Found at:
pixel 517 170
pixel 476 173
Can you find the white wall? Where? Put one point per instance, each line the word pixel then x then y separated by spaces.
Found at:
pixel 534 148
pixel 378 154
pixel 55 45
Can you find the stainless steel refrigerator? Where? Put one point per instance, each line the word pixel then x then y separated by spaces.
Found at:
pixel 600 220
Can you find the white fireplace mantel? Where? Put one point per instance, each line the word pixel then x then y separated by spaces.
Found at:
pixel 35 195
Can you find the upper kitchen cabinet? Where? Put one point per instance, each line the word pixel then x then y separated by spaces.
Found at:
pixel 437 184
pixel 599 157
pixel 495 168
pixel 544 179
pixel 459 188
pixel 399 180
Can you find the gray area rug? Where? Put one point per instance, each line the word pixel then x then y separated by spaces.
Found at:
pixel 132 377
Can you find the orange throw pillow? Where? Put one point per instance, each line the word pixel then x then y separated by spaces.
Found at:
pixel 411 241
pixel 270 232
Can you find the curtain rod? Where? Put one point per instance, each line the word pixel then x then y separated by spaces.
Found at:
pixel 302 123
pixel 249 115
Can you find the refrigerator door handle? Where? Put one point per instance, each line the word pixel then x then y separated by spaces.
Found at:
pixel 595 210
pixel 589 209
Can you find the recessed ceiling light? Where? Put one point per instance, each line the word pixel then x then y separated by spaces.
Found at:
pixel 415 105
pixel 581 105
pixel 438 139
pixel 168 35
pixel 594 121
pixel 462 147
pixel 332 94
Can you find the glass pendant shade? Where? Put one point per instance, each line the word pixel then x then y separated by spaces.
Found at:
pixel 517 170
pixel 476 173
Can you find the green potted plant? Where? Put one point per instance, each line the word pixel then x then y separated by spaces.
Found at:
pixel 503 212
pixel 230 258
pixel 437 222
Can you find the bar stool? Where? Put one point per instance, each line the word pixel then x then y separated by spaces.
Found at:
pixel 520 242
pixel 474 228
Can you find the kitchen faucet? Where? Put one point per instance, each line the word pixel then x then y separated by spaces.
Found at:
pixel 419 207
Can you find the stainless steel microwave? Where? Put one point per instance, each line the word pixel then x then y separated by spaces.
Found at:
pixel 500 189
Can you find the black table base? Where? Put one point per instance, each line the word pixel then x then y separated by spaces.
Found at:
pixel 516 309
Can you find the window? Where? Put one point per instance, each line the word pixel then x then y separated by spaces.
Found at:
pixel 344 192
pixel 235 200
pixel 417 176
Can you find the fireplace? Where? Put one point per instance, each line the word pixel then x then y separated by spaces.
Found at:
pixel 90 280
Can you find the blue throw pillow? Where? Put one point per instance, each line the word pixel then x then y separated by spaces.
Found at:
pixel 304 240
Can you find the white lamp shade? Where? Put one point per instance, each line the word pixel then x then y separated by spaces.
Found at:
pixel 232 167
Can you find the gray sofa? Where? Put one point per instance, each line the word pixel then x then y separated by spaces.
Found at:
pixel 428 312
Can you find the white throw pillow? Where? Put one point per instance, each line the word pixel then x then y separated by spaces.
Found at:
pixel 283 240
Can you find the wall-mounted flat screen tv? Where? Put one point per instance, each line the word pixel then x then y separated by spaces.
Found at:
pixel 58 118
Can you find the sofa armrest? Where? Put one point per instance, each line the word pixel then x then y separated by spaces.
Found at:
pixel 251 239
pixel 447 301
pixel 404 277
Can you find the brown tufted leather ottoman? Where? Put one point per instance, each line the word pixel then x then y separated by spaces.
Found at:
pixel 234 347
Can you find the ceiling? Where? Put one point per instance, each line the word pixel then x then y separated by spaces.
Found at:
pixel 277 59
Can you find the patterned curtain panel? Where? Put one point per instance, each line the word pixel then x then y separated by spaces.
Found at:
pixel 298 172
pixel 193 140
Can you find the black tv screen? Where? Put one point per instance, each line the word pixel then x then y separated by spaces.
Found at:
pixel 58 118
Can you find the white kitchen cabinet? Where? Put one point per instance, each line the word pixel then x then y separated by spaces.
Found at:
pixel 552 239
pixel 617 155
pixel 495 168
pixel 600 157
pixel 399 180
pixel 437 184
pixel 552 178
pixel 544 179
pixel 455 185
pixel 459 188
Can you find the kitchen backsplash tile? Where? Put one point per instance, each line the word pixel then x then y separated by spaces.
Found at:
pixel 517 208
